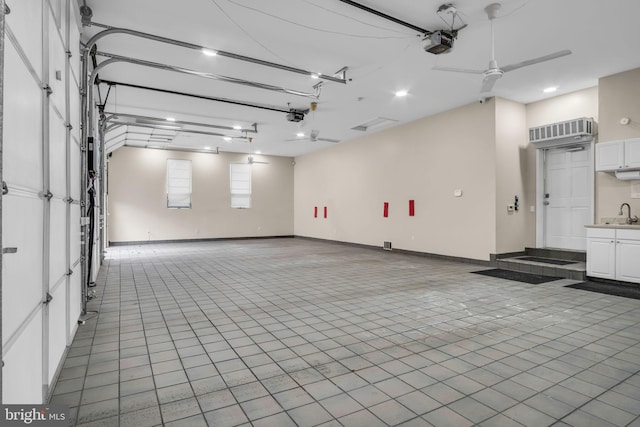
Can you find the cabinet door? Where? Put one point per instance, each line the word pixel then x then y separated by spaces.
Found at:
pixel 627 256
pixel 601 258
pixel 609 156
pixel 632 153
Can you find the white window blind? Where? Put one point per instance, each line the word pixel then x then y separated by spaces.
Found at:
pixel 240 185
pixel 178 183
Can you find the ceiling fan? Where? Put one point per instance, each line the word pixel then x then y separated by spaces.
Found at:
pixel 494 72
pixel 313 137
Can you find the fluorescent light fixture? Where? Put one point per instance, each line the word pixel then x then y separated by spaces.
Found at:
pixel 258 152
pixel 300 134
pixel 227 138
pixel 550 89
pixel 401 93
pixel 209 52
pixel 237 127
pixel 171 119
pixel 207 148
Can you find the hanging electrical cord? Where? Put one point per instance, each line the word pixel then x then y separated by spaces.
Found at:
pixel 247 33
pixel 322 30
pixel 90 214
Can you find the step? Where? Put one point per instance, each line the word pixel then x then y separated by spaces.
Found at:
pixel 545 266
pixel 566 254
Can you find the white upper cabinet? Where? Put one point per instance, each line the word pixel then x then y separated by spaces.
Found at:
pixel 618 155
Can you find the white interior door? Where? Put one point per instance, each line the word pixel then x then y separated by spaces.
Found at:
pixel 567 196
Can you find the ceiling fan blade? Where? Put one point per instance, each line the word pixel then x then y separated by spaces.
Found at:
pixel 457 70
pixel 488 83
pixel 549 57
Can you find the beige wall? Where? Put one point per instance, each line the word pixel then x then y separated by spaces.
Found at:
pixel 425 160
pixel 513 177
pixel 480 149
pixel 619 97
pixel 137 198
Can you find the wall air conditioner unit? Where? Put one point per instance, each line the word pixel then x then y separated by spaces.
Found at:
pixel 628 175
pixel 563 133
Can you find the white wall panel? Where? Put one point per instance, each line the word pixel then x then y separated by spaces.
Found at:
pixel 57 61
pixel 57 241
pixel 22 138
pixel 57 327
pixel 22 372
pixel 25 21
pixel 21 271
pixel 57 156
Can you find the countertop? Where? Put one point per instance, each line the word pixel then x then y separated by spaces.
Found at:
pixel 635 226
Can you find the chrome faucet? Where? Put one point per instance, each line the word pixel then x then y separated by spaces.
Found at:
pixel 629 219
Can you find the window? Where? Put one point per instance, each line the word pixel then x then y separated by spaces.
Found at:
pixel 240 185
pixel 178 184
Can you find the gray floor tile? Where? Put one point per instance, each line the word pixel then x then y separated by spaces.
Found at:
pixel 186 331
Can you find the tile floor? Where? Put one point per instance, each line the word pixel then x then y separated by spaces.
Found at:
pixel 286 332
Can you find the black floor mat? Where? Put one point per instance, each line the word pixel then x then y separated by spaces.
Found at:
pixel 518 276
pixel 627 291
pixel 547 260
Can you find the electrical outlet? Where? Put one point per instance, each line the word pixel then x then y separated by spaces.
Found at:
pixel 510 208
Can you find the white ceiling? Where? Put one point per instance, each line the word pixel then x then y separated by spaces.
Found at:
pixel 325 35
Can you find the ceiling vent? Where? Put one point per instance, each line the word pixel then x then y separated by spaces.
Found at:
pixel 570 131
pixel 376 123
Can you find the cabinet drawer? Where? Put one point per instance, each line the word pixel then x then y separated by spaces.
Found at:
pixel 628 234
pixel 602 233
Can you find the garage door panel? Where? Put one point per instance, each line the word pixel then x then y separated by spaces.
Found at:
pixel 74 233
pixel 74 108
pixel 58 241
pixel 74 168
pixel 75 292
pixel 22 125
pixel 57 157
pixel 57 327
pixel 57 67
pixel 22 372
pixel 20 21
pixel 21 271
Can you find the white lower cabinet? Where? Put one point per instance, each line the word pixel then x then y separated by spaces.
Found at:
pixel 613 254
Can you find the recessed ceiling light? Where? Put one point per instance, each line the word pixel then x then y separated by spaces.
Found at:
pixel 207 148
pixel 209 52
pixel 171 119
pixel 227 138
pixel 401 93
pixel 258 152
pixel 299 134
pixel 550 89
pixel 237 127
pixel 315 75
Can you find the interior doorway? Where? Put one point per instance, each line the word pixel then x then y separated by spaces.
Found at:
pixel 565 195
